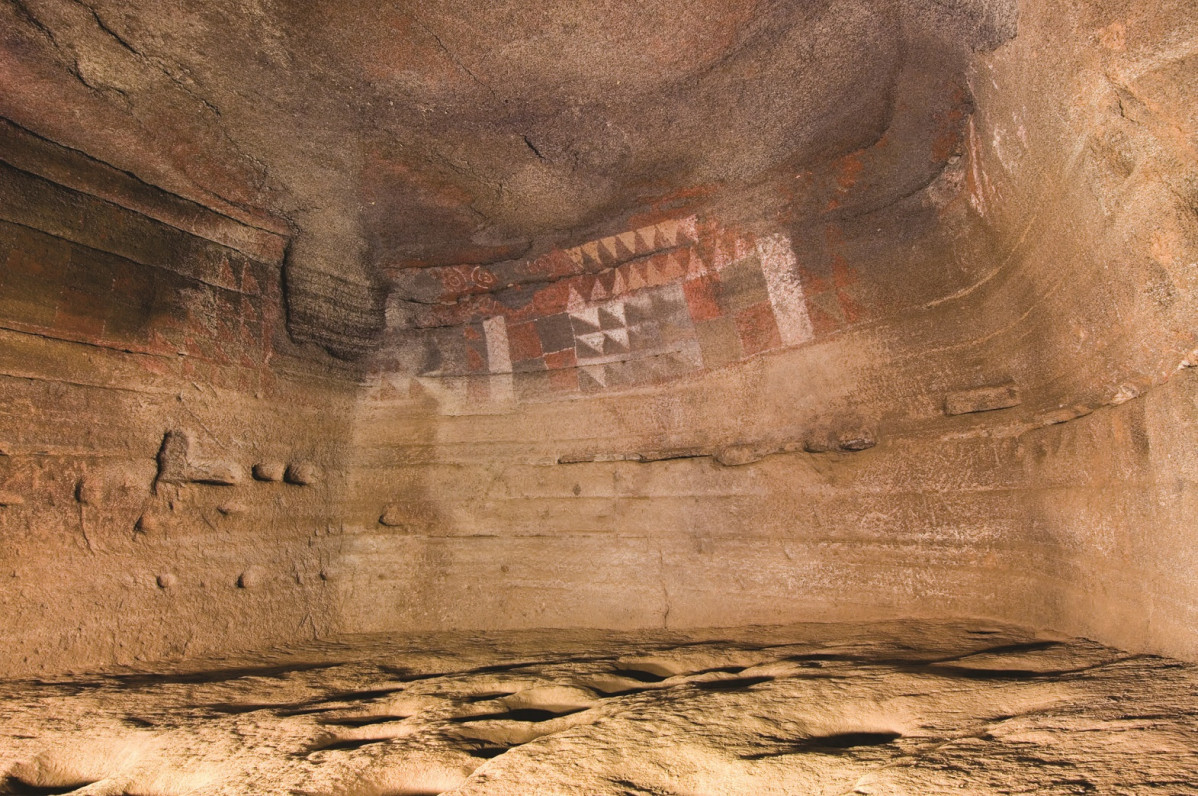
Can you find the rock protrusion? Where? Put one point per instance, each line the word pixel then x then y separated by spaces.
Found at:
pixel 847 440
pixel 252 578
pixel 172 458
pixel 216 474
pixel 737 455
pixel 301 473
pixel 856 440
pixel 393 516
pixel 176 467
pixel 982 399
pixel 148 524
pixel 87 491
pixel 269 471
pixel 167 580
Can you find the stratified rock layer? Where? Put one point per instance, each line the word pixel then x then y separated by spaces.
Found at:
pixel 322 320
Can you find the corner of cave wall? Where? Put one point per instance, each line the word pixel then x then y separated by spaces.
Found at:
pixel 963 402
pixel 1081 164
pixel 171 463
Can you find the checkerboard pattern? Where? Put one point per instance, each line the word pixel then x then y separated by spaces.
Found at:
pixel 656 303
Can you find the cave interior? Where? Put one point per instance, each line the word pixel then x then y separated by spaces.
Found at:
pixel 692 344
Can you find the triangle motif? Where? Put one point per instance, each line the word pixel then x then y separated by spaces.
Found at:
pixel 590 255
pixel 588 348
pixel 598 293
pixel 668 230
pixel 670 268
pixel 226 275
pixel 655 270
pixel 821 321
pixel 607 252
pixel 575 301
pixel 587 380
pixel 659 239
pixel 635 280
pixel 637 310
pixel 610 319
pixel 625 246
pixel 615 343
pixel 585 321
pixel 830 303
pixel 687 231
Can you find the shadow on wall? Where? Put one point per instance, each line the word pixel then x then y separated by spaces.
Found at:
pixel 146 368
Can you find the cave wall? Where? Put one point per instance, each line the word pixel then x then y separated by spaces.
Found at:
pixel 1086 142
pixel 974 398
pixel 784 480
pixel 816 479
pixel 146 372
pixel 942 367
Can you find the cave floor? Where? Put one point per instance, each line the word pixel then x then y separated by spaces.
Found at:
pixel 878 708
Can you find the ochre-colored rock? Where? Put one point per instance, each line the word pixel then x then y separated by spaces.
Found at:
pixel 269 471
pixel 327 319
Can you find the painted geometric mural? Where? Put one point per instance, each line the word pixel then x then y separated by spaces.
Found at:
pixel 641 307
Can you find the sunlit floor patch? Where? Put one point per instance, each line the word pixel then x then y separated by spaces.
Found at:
pixel 883 708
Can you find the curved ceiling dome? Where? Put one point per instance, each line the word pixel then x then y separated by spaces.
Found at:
pixel 394 136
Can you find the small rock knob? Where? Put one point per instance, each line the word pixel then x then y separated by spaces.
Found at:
pixel 147 524
pixel 301 473
pixel 87 491
pixel 268 471
pixel 393 516
pixel 252 578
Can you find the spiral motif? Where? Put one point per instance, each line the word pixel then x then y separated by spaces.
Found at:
pixel 482 277
pixel 454 280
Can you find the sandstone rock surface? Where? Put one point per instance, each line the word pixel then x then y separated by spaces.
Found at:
pixel 497 316
pixel 896 708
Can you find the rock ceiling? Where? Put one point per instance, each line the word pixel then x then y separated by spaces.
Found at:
pixel 385 136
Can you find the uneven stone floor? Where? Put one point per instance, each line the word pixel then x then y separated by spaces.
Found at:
pixel 884 708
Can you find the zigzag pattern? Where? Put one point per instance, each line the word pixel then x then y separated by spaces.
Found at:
pixel 613 250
